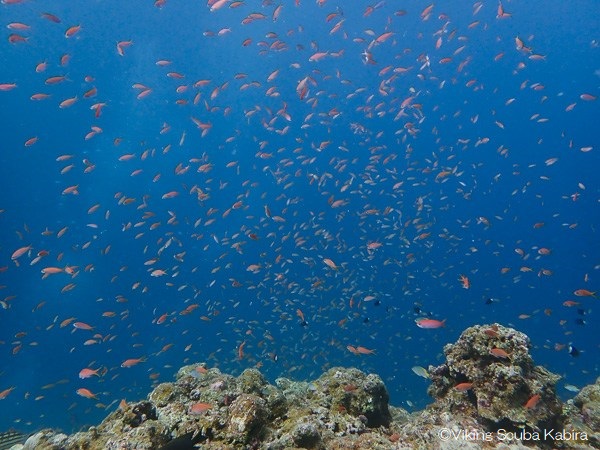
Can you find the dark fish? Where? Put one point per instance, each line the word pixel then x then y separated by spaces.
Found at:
pixel 10 438
pixel 185 442
pixel 573 351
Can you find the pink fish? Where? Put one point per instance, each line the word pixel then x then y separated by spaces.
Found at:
pixel 87 373
pixel 132 362
pixel 430 323
pixel 82 326
pixel 7 86
pixel 20 252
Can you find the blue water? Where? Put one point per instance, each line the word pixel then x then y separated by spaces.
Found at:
pixel 469 145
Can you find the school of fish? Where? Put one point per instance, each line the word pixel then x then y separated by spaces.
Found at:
pixel 292 187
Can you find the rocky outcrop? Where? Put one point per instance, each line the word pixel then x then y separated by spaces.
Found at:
pixel 488 394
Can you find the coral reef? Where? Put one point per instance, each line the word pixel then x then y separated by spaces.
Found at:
pixel 490 387
pixel 489 373
pixel 488 394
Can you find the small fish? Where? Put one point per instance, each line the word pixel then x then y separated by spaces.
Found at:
pixel 329 263
pixel 199 408
pixel 86 393
pixel 499 353
pixel 132 362
pixel 430 323
pixel 87 373
pixel 185 442
pixel 420 371
pixel 300 314
pixel 20 252
pixel 82 326
pixel 364 351
pixel 533 401
pixel 10 438
pixel 584 293
pixel 72 31
pixel 7 86
pixel 491 332
pixel 5 392
pixel 573 351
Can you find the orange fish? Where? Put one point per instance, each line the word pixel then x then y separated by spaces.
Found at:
pixel 68 102
pixel 329 263
pixel 364 351
pixel 462 387
pixel 5 392
pixel 72 31
pixel 491 333
pixel 31 141
pixel 87 373
pixel 39 96
pixel 51 17
pixel 7 86
pixel 162 318
pixel 533 401
pixel 86 393
pixel 466 284
pixel 430 323
pixel 218 5
pixel 300 314
pixel 199 408
pixel 132 362
pixel 17 26
pixel 55 80
pixel 241 350
pixel 20 252
pixel 501 13
pixel 71 270
pixel 14 38
pixel 318 56
pixel 82 326
pixel 584 293
pixel 499 353
pixel 253 268
pixel 66 322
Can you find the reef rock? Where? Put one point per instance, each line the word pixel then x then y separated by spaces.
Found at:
pixel 584 412
pixel 490 394
pixel 488 385
pixel 489 374
pixel 224 412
